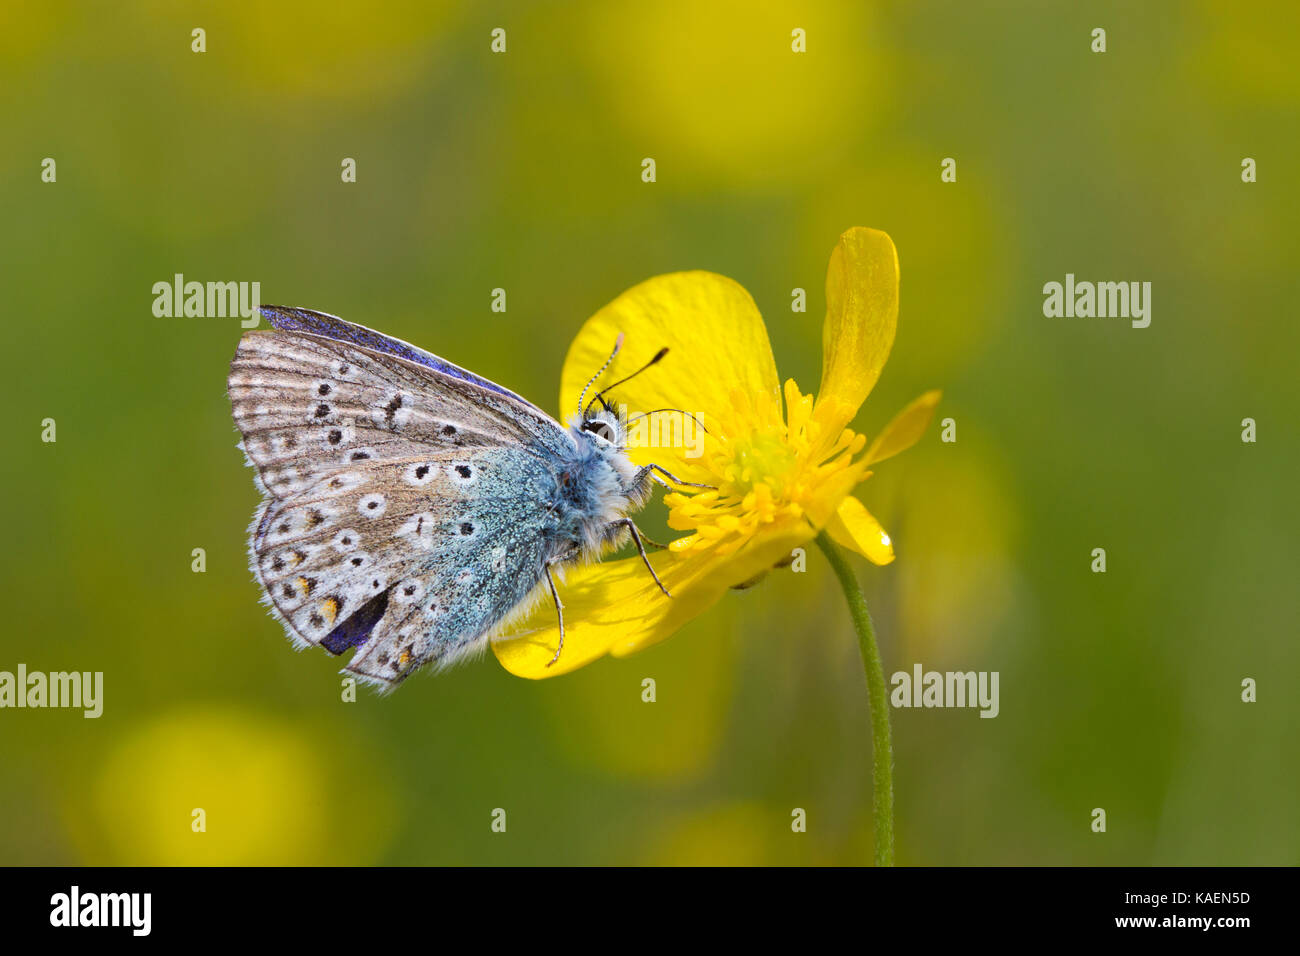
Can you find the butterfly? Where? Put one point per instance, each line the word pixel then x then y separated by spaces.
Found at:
pixel 411 508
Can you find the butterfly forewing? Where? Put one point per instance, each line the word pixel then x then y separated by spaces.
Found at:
pixel 307 405
pixel 331 327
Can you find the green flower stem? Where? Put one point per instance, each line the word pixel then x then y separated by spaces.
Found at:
pixel 882 748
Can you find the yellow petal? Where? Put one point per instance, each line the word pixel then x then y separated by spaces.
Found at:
pixel 906 428
pixel 822 508
pixel 615 607
pixel 717 343
pixel 861 318
pixel 855 527
pixel 608 605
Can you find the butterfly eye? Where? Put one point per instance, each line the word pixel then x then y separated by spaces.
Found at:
pixel 600 430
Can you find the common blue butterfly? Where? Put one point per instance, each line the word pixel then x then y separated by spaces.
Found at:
pixel 409 506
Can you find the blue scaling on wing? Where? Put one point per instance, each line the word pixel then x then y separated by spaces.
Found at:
pixel 332 327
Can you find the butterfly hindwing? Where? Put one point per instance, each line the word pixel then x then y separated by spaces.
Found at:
pixel 409 560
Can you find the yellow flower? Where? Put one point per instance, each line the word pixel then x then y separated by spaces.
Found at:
pixel 778 478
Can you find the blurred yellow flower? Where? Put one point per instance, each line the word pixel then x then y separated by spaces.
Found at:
pixel 664 72
pixel 778 479
pixel 217 786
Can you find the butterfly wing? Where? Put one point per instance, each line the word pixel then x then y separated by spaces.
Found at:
pixel 409 499
pixel 322 325
pixel 410 561
pixel 306 402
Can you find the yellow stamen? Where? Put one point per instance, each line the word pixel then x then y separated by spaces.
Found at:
pixel 768 471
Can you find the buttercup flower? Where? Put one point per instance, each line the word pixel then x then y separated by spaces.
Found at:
pixel 781 471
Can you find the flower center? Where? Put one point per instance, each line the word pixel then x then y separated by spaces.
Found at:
pixel 770 471
pixel 764 460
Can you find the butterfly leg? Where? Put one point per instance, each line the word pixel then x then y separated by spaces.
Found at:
pixel 640 547
pixel 559 611
pixel 652 543
pixel 649 470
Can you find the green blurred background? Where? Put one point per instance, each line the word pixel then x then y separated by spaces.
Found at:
pixel 522 171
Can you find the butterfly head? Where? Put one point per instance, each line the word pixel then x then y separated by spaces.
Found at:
pixel 600 433
pixel 604 427
pixel 601 436
pixel 593 422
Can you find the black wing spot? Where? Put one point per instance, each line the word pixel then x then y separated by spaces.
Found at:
pixel 449 430
pixel 359 456
pixel 324 389
pixel 390 410
pixel 335 437
pixel 421 471
pixel 322 410
pixel 466 528
pixel 464 471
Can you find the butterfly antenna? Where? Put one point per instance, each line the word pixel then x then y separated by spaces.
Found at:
pixel 658 355
pixel 618 344
pixel 655 411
